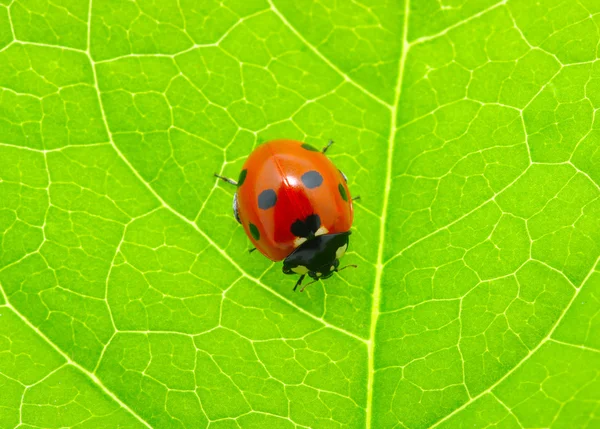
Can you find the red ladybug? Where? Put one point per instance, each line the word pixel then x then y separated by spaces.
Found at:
pixel 295 205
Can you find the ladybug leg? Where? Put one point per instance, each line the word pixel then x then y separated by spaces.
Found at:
pixel 236 210
pixel 252 250
pixel 329 143
pixel 227 179
pixel 299 282
pixel 356 198
pixel 308 284
pixel 343 175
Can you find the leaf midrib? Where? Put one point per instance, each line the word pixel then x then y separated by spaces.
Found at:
pixel 383 220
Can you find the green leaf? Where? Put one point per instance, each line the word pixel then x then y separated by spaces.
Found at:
pixel 468 128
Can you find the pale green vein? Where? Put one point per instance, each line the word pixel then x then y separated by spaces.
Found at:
pixel 457 220
pixel 457 24
pixel 325 59
pixel 191 48
pixel 577 346
pixel 71 362
pixel 505 406
pixel 382 224
pixel 526 357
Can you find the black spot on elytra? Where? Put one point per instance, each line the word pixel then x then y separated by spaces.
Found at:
pixel 309 147
pixel 312 179
pixel 242 177
pixel 254 231
pixel 343 192
pixel 307 227
pixel 267 199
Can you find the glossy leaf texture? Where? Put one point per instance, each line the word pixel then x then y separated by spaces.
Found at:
pixel 469 128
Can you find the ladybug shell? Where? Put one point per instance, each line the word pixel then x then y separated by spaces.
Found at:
pixel 283 182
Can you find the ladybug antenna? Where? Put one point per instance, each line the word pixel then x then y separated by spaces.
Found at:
pixel 347 266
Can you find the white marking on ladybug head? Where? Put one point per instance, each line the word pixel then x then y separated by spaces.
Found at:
pixel 319 274
pixel 332 268
pixel 321 231
pixel 298 241
pixel 300 269
pixel 341 250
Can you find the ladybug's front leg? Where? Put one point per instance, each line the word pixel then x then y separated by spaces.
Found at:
pixel 329 143
pixel 299 282
pixel 227 179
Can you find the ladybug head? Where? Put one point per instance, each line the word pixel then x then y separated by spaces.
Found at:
pixel 318 257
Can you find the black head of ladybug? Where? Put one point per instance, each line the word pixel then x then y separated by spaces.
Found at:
pixel 318 257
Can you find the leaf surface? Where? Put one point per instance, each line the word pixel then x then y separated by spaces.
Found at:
pixel 469 129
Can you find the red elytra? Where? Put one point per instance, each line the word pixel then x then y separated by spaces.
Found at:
pixel 294 204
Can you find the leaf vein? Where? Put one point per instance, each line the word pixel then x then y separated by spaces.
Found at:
pixel 325 59
pixel 531 352
pixel 382 224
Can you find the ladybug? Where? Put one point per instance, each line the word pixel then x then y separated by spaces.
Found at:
pixel 295 206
